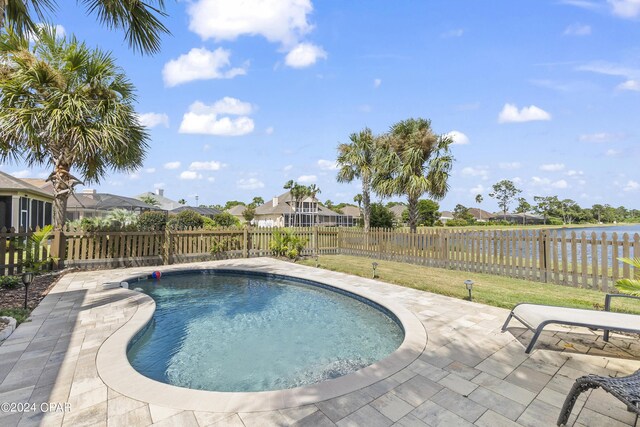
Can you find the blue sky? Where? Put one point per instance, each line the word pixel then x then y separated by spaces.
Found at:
pixel 246 95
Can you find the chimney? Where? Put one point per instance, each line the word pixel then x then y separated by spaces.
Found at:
pixel 160 192
pixel 275 202
pixel 89 192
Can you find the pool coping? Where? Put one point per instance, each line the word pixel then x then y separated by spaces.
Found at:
pixel 116 372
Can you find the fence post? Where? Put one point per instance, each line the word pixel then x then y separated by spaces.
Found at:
pixel 58 249
pixel 543 256
pixel 315 240
pixel 166 250
pixel 245 246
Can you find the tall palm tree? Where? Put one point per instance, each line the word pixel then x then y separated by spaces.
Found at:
pixel 313 191
pixel 412 161
pixel 68 107
pixel 357 160
pixel 479 200
pixel 139 19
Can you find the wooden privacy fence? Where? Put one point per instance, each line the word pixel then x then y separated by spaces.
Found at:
pixel 16 250
pixel 567 258
pixel 555 256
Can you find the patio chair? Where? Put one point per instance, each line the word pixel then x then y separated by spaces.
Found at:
pixel 625 389
pixel 536 316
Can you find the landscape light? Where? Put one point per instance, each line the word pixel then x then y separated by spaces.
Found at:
pixel 374 265
pixel 27 278
pixel 469 284
pixel 317 261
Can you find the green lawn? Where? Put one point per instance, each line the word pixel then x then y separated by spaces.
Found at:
pixel 488 289
pixel 20 314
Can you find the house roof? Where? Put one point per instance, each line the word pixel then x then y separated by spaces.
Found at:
pixel 284 206
pixel 11 183
pixel 397 210
pixel 480 213
pixel 446 214
pixel 164 203
pixel 351 210
pixel 106 201
pixel 200 210
pixel 237 210
pixel 41 184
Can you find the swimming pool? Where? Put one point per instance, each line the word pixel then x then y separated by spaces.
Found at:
pixel 238 331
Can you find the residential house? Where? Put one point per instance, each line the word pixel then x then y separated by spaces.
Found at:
pixel 162 202
pixel 281 211
pixel 518 218
pixel 238 211
pixel 445 216
pixel 480 215
pixel 351 210
pixel 89 203
pixel 397 211
pixel 208 212
pixel 23 205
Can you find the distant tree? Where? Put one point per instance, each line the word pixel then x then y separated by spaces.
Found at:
pixel 381 216
pixel 225 219
pixel 122 217
pixel 186 219
pixel 479 200
pixel 358 199
pixel 257 201
pixel 569 210
pixel 329 204
pixel 597 211
pixel 249 213
pixel 545 205
pixel 152 221
pixel 150 200
pixel 357 160
pixel 313 190
pixel 461 212
pixel 427 213
pixel 523 207
pixel 504 192
pixel 413 161
pixel 182 201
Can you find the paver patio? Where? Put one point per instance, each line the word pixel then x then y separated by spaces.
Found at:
pixel 468 374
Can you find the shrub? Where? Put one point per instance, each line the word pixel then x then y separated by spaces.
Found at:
pixel 152 221
pixel 287 243
pixel 456 223
pixel 381 216
pixel 225 219
pixel 186 219
pixel 10 282
pixel 225 243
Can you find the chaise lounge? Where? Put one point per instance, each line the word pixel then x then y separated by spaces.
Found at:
pixel 536 316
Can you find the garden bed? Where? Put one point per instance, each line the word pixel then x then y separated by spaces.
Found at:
pixel 12 300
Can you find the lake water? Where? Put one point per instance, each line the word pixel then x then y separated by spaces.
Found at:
pixel 630 229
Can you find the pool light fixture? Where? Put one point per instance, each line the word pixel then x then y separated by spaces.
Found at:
pixel 469 284
pixel 374 265
pixel 27 278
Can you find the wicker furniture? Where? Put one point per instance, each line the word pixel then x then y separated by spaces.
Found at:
pixel 625 389
pixel 536 316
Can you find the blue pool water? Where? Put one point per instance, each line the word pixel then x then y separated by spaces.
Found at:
pixel 245 332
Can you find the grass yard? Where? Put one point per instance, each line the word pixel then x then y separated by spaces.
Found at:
pixel 488 289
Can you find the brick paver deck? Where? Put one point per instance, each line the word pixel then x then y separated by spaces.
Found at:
pixel 469 373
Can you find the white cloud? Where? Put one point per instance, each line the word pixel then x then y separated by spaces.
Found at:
pixel 625 8
pixel 307 179
pixel 477 189
pixel 584 4
pixel 327 165
pixel 511 114
pixel 577 30
pixel 206 166
pixel 510 165
pixel 150 170
pixel 612 153
pixel 190 175
pixel 601 137
pixel 269 130
pixel 134 176
pixel 480 171
pixel 458 137
pixel 633 85
pixel 279 21
pixel 211 179
pixel 537 181
pixel 159 185
pixel 203 119
pixel 200 64
pixel 151 120
pixel 249 184
pixel 25 173
pixel 574 173
pixel 287 168
pixel 631 185
pixel 304 55
pixel 560 184
pixel 552 167
pixel 458 32
pixel 172 165
pixel 377 83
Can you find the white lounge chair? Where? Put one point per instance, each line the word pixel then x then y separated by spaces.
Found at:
pixel 536 316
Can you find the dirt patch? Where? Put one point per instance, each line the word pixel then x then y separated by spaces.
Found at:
pixel 39 288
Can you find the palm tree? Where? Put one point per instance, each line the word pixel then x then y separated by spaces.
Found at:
pixel 139 19
pixel 298 192
pixel 412 161
pixel 479 200
pixel 357 160
pixel 122 216
pixel 313 191
pixel 68 107
pixel 289 186
pixel 150 200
